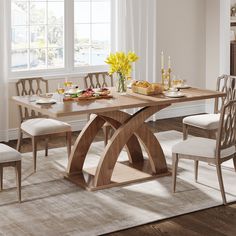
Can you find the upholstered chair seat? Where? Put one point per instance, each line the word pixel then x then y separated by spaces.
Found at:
pixel 10 157
pixel 201 147
pixel 205 121
pixel 43 126
pixel 209 122
pixel 8 154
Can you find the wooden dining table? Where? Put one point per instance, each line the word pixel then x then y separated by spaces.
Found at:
pixel 131 132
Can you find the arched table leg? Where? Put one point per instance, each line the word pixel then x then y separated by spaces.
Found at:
pixel 133 147
pixel 119 139
pixel 82 144
pixel 147 138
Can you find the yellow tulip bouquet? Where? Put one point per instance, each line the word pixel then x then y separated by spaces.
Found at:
pixel 120 63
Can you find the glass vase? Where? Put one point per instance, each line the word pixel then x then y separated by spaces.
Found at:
pixel 121 83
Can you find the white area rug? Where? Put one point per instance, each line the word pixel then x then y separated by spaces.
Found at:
pixel 54 206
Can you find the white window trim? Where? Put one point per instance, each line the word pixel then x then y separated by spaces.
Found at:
pixel 69 68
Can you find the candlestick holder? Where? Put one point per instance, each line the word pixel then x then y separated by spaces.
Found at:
pixel 165 78
pixel 169 77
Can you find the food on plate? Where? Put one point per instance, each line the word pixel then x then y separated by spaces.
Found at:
pixel 73 91
pixel 88 93
pixel 102 91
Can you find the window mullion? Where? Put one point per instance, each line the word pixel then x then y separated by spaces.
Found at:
pixel 91 30
pixel 29 28
pixel 69 35
pixel 46 36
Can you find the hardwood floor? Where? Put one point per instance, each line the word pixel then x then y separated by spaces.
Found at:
pixel 218 221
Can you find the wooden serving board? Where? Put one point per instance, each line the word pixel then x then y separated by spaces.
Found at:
pixel 77 99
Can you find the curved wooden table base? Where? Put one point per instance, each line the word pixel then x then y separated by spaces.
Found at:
pixel 130 132
pixel 148 140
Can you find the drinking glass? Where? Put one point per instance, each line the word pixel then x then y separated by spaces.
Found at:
pixel 60 91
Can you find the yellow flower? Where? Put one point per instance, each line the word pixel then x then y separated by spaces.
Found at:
pixel 132 57
pixel 121 63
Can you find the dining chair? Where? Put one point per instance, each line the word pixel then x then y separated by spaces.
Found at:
pixel 208 150
pixel 33 124
pixel 100 80
pixel 209 122
pixel 9 157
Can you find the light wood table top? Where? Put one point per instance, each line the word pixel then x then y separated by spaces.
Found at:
pixel 118 102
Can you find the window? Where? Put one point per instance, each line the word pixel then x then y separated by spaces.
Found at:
pixel 42 38
pixel 92 31
pixel 37 35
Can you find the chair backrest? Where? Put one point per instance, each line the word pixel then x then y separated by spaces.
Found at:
pixel 98 80
pixel 30 86
pixel 227 129
pixel 226 84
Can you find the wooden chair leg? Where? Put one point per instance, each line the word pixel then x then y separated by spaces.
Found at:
pixel 20 136
pixel 18 179
pixel 196 163
pixel 222 190
pixel 34 146
pixel 185 131
pixel 68 143
pixel 1 178
pixel 106 131
pixel 46 147
pixel 175 160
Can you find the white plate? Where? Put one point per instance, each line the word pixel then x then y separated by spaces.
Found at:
pixel 183 86
pixel 46 101
pixel 174 95
pixel 73 91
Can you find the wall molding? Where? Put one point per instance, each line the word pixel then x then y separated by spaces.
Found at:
pixel 170 112
pixel 178 111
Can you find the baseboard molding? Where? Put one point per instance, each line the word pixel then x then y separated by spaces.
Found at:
pixel 178 111
pixel 3 136
pixel 169 112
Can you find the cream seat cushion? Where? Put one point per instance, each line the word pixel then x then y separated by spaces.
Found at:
pixel 201 147
pixel 206 121
pixel 43 126
pixel 8 154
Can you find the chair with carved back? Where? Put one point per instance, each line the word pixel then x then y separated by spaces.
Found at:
pixel 100 80
pixel 209 122
pixel 33 124
pixel 209 150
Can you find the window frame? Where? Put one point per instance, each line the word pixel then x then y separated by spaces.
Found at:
pixel 69 67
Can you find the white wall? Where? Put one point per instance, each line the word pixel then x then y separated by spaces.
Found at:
pixel 181 35
pixel 217 42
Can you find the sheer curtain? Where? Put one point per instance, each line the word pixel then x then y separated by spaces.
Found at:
pixel 137 31
pixel 3 74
